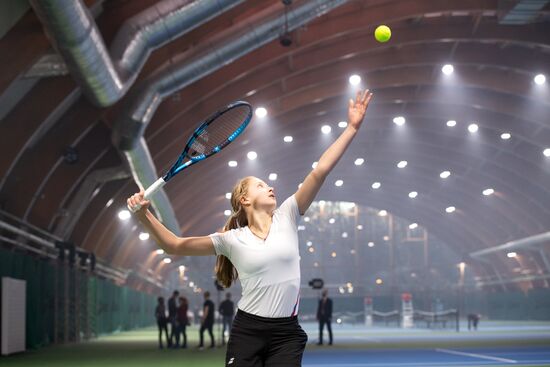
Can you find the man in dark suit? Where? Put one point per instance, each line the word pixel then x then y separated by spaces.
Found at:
pixel 324 316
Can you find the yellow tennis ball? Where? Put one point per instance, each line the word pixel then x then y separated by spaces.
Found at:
pixel 382 33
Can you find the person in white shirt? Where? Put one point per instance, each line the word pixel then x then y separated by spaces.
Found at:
pixel 259 246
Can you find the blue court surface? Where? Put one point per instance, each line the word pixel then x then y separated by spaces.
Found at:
pixel 495 344
pixel 501 356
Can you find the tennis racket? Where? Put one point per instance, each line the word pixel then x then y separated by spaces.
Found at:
pixel 214 134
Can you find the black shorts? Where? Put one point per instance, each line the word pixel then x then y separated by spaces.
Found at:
pixel 257 341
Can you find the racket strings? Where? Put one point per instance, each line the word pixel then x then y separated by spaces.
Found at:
pixel 219 130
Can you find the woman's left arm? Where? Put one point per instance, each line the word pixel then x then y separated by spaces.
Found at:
pixel 314 180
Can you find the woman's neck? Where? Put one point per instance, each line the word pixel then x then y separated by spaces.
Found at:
pixel 260 221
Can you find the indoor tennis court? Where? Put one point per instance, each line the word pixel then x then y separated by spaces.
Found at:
pixel 258 183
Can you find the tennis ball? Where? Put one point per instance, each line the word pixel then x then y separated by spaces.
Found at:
pixel 382 33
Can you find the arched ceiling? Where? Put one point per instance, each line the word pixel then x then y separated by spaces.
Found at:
pixel 303 87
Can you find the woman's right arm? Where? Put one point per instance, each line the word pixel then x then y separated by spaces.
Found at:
pixel 166 239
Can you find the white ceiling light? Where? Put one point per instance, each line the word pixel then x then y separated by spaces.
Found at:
pixel 272 176
pixel 332 220
pixel 399 120
pixel 144 236
pixel 445 174
pixel 450 209
pixel 227 212
pixel 473 128
pixel 413 225
pixel 252 155
pixel 451 123
pixel 306 219
pixel 413 194
pixel 124 215
pixel 314 164
pixel 376 185
pixel 448 69
pixel 354 79
pixel 261 112
pixel 228 195
pixel 512 254
pixel 382 213
pixel 371 244
pixel 342 124
pixel 167 260
pixel 288 139
pixel 505 136
pixel 159 251
pixel 546 152
pixel 326 129
pixel 540 79
pixel 359 161
pixel 402 164
pixel 345 235
pixel 488 192
pixel 338 183
pixel 359 227
pixel 232 163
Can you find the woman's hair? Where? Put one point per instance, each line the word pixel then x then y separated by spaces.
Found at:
pixel 225 271
pixel 183 301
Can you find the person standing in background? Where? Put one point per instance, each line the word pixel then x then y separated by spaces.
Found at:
pixel 227 310
pixel 324 316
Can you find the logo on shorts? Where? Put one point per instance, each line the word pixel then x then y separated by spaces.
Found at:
pixel 231 360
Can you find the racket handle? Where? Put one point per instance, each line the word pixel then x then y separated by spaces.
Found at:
pixel 156 186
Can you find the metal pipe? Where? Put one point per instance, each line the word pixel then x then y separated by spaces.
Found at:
pixel 512 245
pixel 105 76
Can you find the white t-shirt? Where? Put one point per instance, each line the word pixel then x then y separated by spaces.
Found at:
pixel 269 271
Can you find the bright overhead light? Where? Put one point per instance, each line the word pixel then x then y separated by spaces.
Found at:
pixel 402 164
pixel 546 152
pixel 309 244
pixel 505 136
pixel 344 234
pixel 354 79
pixel 109 203
pixel 181 267
pixel 382 213
pixel 167 260
pixel 338 183
pixel 399 120
pixel 228 195
pixel 379 281
pixel 342 124
pixel 252 155
pixel 272 176
pixel 288 139
pixel 473 128
pixel 376 185
pixel 450 209
pixel 451 123
pixel 261 112
pixel 512 254
pixel 445 174
pixel 371 244
pixel 333 254
pixel 307 219
pixel 227 212
pixel 332 220
pixel 326 129
pixel 124 215
pixel 232 163
pixel 413 225
pixel 359 161
pixel 144 236
pixel 540 79
pixel 448 69
pixel 314 164
pixel 311 249
pixel 160 251
pixel 413 194
pixel 359 227
pixel 488 192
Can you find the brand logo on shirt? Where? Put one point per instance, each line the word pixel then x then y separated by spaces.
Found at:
pixel 231 360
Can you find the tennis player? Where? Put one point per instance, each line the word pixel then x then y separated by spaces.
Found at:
pixel 259 246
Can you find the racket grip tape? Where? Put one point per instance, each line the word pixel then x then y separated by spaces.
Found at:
pixel 156 186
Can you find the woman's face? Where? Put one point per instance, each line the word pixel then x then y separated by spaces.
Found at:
pixel 259 195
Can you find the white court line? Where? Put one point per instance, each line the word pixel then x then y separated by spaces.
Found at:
pixel 482 356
